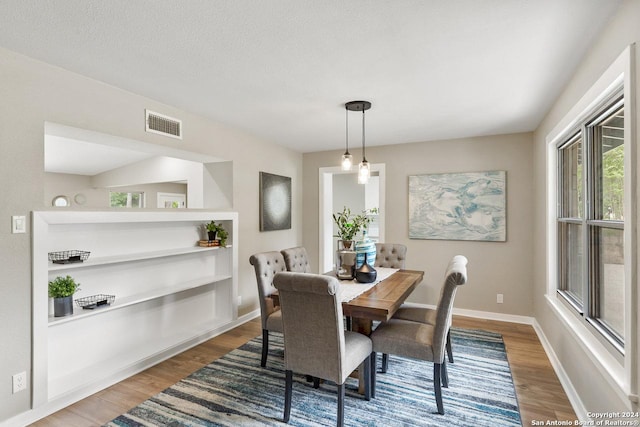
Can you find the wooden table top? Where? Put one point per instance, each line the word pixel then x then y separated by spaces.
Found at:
pixel 382 301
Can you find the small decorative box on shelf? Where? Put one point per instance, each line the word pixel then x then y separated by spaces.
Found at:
pixel 68 257
pixel 208 243
pixel 95 301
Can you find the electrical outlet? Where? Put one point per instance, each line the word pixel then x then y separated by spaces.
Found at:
pixel 19 382
pixel 239 300
pixel 500 299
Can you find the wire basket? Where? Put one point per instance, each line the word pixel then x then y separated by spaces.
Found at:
pixel 95 301
pixel 68 257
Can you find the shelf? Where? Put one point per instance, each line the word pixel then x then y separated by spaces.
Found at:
pixel 80 313
pixel 117 259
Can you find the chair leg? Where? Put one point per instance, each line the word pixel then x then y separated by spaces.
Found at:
pixel 265 347
pixel 449 350
pixel 373 375
pixel 367 378
pixel 340 405
pixel 287 394
pixel 385 363
pixel 445 374
pixel 437 375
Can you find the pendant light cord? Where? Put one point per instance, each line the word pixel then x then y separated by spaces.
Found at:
pixel 346 110
pixel 364 158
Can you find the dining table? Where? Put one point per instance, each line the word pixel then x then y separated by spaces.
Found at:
pixel 382 300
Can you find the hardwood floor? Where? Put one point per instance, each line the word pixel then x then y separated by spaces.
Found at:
pixel 540 395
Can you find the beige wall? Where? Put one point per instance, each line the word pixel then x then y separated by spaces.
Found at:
pixel 30 94
pixel 494 267
pixel 592 385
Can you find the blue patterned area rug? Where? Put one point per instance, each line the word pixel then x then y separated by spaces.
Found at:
pixel 236 391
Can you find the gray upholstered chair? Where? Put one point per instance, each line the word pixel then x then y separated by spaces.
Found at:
pixel 296 259
pixel 266 265
pixel 423 341
pixel 315 342
pixel 391 255
pixel 421 315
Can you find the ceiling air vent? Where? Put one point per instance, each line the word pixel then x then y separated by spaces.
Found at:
pixel 163 125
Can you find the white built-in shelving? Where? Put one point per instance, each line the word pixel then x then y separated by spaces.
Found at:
pixel 169 292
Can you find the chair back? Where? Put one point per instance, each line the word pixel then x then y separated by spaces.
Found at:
pixel 391 255
pixel 266 265
pixel 455 276
pixel 296 259
pixel 314 339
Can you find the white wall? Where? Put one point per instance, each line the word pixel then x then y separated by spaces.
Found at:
pixel 592 387
pixel 158 169
pixel 32 93
pixel 71 185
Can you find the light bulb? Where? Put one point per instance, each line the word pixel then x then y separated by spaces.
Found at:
pixel 363 172
pixel 347 161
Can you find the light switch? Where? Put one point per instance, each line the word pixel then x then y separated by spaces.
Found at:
pixel 18 224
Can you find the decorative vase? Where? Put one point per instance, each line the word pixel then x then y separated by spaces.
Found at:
pixel 345 264
pixel 365 248
pixel 212 235
pixel 365 273
pixel 63 306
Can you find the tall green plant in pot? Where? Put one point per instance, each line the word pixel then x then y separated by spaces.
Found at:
pixel 350 225
pixel 61 289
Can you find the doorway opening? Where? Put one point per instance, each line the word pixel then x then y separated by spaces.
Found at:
pixel 340 188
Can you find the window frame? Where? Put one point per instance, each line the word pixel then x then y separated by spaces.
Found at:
pixel 586 131
pixel 142 199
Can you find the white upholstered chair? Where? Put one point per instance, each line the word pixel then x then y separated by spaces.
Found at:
pixel 315 342
pixel 296 259
pixel 424 341
pixel 266 265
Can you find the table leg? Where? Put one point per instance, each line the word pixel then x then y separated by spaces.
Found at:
pixel 362 326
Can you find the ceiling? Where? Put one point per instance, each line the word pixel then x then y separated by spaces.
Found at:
pixel 283 69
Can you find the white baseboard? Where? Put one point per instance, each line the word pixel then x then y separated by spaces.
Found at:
pixel 569 389
pixel 487 315
pixel 61 402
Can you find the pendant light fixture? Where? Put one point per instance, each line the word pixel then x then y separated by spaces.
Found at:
pixel 364 170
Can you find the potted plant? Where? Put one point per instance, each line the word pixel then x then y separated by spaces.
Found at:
pixel 61 289
pixel 349 225
pixel 217 231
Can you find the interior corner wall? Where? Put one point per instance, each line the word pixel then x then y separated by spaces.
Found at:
pixel 32 92
pixel 494 267
pixel 592 390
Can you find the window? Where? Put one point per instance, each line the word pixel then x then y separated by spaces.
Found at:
pixel 590 223
pixel 134 199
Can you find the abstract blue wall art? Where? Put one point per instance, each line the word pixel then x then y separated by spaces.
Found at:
pixel 458 206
